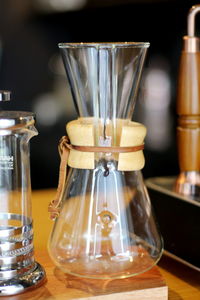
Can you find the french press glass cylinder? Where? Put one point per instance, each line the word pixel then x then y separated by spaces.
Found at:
pixel 18 269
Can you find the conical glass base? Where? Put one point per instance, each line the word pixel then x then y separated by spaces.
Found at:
pixel 106 228
pixel 107 231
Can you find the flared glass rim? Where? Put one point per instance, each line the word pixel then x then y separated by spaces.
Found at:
pixel 105 45
pixel 12 118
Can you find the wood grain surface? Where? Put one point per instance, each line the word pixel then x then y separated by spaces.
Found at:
pixel 183 282
pixel 149 285
pixel 188 110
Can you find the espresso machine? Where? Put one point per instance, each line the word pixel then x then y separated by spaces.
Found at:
pixel 176 200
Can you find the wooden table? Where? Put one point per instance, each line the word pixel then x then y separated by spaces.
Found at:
pixel 183 282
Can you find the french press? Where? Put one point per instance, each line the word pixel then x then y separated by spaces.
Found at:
pixel 18 269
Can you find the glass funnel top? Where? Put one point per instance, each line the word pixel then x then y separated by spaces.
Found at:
pixel 104 77
pixel 105 45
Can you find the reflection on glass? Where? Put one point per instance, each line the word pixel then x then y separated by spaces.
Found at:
pixel 105 228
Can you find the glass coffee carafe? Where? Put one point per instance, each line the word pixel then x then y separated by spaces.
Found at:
pixel 104 227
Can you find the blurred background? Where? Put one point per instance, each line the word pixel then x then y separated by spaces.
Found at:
pixel 31 67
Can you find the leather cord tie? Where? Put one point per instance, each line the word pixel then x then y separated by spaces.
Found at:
pixel 64 148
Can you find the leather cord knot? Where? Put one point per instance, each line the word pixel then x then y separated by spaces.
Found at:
pixel 64 148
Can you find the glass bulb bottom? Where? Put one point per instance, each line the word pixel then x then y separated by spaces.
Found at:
pixel 124 265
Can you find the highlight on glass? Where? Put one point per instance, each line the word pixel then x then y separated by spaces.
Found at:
pixel 105 228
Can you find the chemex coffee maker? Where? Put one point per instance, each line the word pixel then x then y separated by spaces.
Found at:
pixel 177 199
pixel 18 269
pixel 104 227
